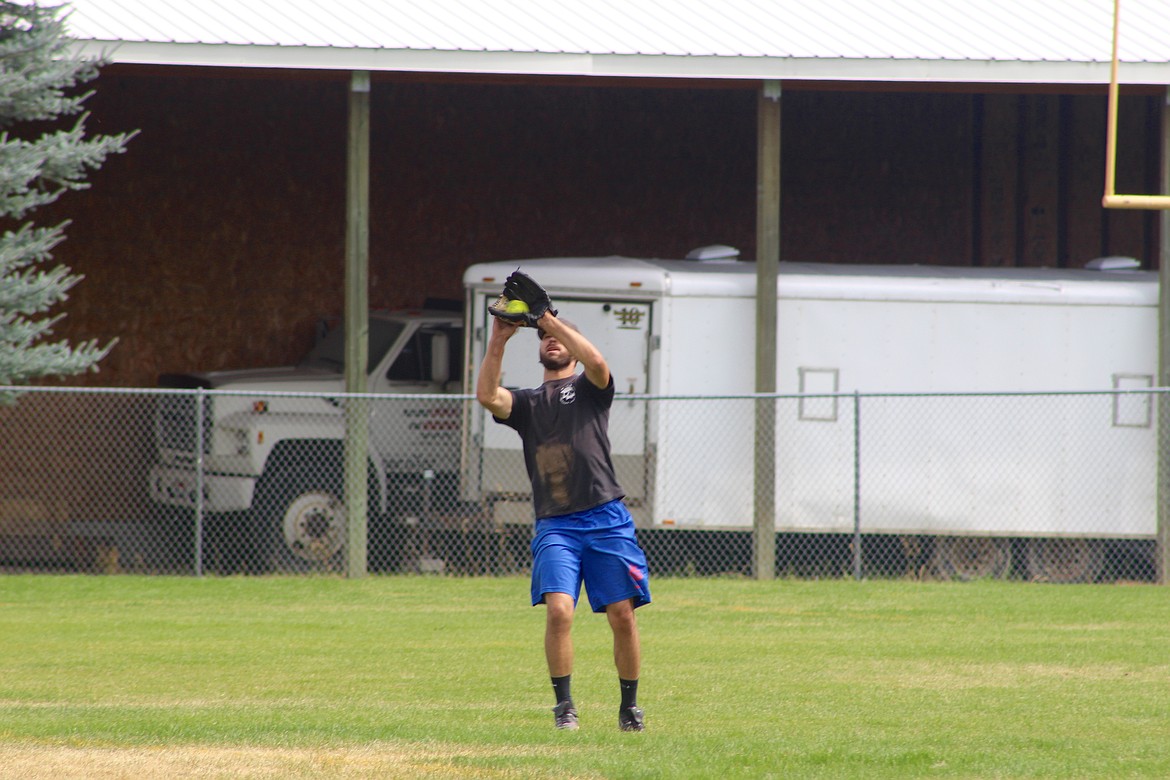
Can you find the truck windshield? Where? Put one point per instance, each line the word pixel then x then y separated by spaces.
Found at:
pixel 330 351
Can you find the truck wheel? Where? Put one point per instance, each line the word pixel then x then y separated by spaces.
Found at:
pixel 301 521
pixel 971 557
pixel 1065 560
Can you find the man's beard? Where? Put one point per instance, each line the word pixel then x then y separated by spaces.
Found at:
pixel 555 364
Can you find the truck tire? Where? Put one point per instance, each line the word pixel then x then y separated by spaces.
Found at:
pixel 971 557
pixel 1065 560
pixel 300 521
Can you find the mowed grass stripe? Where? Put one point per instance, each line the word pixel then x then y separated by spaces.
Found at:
pixel 740 678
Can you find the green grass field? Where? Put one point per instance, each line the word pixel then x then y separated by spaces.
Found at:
pixel 444 677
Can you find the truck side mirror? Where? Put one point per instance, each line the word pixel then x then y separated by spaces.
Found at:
pixel 440 358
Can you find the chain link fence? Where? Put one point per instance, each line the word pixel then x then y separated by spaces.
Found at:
pixel 1055 487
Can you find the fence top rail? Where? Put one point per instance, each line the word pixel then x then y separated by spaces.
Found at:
pixel 1113 391
pixel 17 390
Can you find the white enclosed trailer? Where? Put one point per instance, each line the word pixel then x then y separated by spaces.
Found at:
pixel 945 468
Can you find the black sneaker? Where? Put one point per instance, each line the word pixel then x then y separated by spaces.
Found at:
pixel 565 715
pixel 630 719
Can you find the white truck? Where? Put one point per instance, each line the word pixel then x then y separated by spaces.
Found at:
pixel 1056 478
pixel 272 456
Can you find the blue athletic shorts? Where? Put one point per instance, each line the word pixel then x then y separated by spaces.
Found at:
pixel 596 547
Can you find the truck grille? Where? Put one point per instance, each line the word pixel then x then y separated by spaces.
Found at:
pixel 176 422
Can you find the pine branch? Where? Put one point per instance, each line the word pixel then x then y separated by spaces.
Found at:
pixel 38 81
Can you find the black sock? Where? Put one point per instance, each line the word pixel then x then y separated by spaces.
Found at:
pixel 629 693
pixel 561 688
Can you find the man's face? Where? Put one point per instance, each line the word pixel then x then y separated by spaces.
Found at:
pixel 553 356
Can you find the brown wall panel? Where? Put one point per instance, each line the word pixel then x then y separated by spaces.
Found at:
pixel 1039 179
pixel 217 240
pixel 1084 217
pixel 998 180
pixel 877 178
pixel 462 174
pixel 1125 229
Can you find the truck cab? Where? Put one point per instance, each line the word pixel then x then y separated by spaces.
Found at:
pixel 264 447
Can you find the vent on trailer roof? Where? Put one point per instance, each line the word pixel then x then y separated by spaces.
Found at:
pixel 714 252
pixel 1114 263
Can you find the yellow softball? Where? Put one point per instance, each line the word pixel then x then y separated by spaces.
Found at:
pixel 516 307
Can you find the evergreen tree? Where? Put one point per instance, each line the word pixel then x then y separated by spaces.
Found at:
pixel 40 159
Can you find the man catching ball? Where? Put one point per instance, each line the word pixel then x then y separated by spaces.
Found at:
pixel 583 534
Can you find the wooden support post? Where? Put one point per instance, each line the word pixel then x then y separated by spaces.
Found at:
pixel 767 268
pixel 357 254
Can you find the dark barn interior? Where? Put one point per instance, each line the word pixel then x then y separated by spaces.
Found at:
pixel 217 240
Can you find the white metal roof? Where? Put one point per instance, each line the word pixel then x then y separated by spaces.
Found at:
pixel 1011 41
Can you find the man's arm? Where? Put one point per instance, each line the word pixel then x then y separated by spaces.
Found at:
pixel 581 348
pixel 496 399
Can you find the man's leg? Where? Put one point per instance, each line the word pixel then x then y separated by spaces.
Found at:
pixel 558 633
pixel 627 648
pixel 627 656
pixel 558 650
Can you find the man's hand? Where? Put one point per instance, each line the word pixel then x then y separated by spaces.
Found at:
pixel 496 399
pixel 504 329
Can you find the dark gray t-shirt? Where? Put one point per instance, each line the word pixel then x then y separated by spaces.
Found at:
pixel 564 425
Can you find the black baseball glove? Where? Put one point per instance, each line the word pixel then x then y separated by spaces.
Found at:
pixel 522 302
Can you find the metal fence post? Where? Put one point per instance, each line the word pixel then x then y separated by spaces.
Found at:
pixel 1162 493
pixel 1162 543
pixel 199 396
pixel 856 485
pixel 764 503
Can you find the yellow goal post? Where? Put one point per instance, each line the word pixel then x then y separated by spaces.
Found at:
pixel 1112 200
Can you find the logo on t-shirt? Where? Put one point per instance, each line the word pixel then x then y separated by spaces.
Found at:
pixel 568 394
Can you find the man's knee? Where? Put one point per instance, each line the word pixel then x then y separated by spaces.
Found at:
pixel 621 615
pixel 559 608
